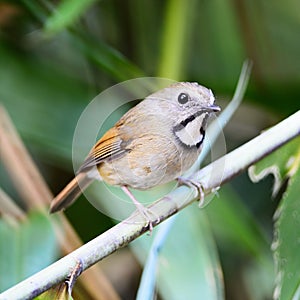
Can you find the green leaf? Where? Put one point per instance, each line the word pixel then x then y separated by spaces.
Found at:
pixel 233 224
pixel 189 264
pixel 284 165
pixel 258 277
pixel 59 292
pixel 100 53
pixel 175 38
pixel 107 58
pixel 239 235
pixel 46 93
pixel 65 14
pixel 25 248
pixel 279 163
pixel 286 243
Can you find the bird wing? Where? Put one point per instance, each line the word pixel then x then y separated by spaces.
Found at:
pixel 110 146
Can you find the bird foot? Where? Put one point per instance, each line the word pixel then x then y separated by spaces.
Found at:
pixel 72 277
pixel 148 216
pixel 195 185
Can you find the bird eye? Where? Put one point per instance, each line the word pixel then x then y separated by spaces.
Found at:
pixel 183 98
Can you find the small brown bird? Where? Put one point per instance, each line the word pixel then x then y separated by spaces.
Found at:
pixel 153 143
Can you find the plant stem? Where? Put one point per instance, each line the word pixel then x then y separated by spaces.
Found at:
pixel 175 38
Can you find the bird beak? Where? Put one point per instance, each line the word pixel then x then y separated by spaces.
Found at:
pixel 213 108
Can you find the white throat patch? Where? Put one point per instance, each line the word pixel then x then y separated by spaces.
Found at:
pixel 190 134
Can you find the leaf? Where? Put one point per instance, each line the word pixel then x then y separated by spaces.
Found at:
pixel 65 14
pixel 256 276
pixel 286 242
pixel 280 163
pixel 25 248
pixel 233 224
pixel 63 97
pixel 284 165
pixel 174 38
pixel 103 55
pixel 239 235
pixel 188 262
pixel 59 292
pixel 107 58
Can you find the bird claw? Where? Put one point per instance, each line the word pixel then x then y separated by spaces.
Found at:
pixel 72 277
pixel 195 185
pixel 146 213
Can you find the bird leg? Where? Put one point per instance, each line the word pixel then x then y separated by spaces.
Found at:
pixel 144 211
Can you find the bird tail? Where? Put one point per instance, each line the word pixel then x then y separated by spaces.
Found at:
pixel 70 193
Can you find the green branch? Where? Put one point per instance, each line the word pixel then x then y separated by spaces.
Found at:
pixel 211 177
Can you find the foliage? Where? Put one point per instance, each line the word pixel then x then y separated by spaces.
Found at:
pixel 284 164
pixel 29 247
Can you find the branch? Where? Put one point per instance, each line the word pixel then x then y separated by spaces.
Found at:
pixel 211 177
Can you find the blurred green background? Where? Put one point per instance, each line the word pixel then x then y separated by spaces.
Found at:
pixel 56 56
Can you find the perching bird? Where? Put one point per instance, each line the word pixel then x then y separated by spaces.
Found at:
pixel 153 143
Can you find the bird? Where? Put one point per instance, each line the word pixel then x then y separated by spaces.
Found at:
pixel 153 143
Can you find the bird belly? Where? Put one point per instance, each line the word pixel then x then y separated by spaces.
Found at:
pixel 147 164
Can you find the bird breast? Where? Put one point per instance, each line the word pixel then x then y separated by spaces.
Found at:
pixel 151 160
